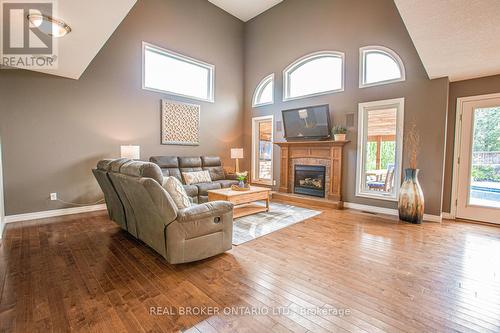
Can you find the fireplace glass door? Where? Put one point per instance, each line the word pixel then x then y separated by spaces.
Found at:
pixel 310 180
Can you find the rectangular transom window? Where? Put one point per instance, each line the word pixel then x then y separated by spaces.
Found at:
pixel 380 140
pixel 175 74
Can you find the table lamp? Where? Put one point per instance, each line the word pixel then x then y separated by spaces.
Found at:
pixel 237 153
pixel 130 152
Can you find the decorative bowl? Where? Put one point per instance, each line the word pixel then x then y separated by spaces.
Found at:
pixel 237 188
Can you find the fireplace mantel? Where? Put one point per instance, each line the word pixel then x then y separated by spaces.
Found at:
pixel 331 151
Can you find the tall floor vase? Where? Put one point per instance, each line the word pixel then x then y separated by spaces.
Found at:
pixel 411 198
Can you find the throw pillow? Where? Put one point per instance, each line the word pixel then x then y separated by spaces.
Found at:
pixel 196 177
pixel 174 187
pixel 216 173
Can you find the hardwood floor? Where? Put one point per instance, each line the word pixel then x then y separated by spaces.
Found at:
pixel 83 273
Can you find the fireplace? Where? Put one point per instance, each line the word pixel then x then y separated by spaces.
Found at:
pixel 326 153
pixel 310 180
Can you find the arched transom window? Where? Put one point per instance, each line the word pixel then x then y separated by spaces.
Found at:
pixel 315 74
pixel 264 93
pixel 379 65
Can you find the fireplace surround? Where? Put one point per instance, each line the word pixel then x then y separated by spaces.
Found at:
pixel 326 153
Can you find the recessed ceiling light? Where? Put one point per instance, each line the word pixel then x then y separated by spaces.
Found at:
pixel 49 26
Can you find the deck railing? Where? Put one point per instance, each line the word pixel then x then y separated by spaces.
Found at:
pixel 486 158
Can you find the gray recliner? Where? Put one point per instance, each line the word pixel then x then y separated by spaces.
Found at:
pixel 116 211
pixel 115 167
pixel 179 235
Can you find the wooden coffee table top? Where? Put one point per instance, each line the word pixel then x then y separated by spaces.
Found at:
pixel 243 199
pixel 231 193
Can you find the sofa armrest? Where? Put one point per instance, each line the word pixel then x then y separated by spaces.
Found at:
pixel 203 211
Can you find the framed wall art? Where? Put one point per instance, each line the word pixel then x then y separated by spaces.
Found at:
pixel 180 123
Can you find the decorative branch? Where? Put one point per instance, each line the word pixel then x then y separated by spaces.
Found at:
pixel 412 145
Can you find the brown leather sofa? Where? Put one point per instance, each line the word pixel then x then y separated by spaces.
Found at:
pixel 137 201
pixel 175 165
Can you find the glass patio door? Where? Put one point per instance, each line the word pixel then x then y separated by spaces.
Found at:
pixel 478 185
pixel 262 150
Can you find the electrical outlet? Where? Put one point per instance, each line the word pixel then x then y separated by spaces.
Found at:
pixel 274 182
pixel 53 196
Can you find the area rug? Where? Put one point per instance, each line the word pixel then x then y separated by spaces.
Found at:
pixel 280 216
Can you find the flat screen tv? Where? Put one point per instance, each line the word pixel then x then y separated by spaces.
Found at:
pixel 309 123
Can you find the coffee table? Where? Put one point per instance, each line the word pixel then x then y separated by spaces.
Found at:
pixel 243 200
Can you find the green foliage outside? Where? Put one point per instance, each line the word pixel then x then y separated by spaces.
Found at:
pixel 485 173
pixel 371 156
pixel 387 154
pixel 487 130
pixel 486 139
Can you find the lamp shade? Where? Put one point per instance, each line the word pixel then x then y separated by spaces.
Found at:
pixel 303 114
pixel 131 152
pixel 236 152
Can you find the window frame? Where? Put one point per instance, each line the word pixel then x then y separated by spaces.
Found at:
pixel 304 60
pixel 186 59
pixel 363 51
pixel 259 89
pixel 363 109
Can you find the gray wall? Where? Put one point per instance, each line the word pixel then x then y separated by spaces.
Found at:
pixel 294 28
pixel 1 192
pixel 474 87
pixel 55 130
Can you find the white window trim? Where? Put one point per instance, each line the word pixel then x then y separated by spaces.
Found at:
pixel 210 67
pixel 381 49
pixel 258 91
pixel 303 60
pixel 398 103
pixel 255 121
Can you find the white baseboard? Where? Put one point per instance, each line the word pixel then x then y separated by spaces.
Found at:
pixel 448 216
pixel 388 211
pixel 433 218
pixel 53 213
pixel 371 209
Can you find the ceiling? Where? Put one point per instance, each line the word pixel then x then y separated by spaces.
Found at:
pixel 245 9
pixel 458 39
pixel 266 130
pixel 382 123
pixel 455 38
pixel 92 23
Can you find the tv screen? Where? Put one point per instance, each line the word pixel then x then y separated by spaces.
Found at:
pixel 307 123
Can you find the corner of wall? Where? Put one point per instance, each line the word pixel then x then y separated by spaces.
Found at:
pixel 2 212
pixel 2 224
pixel 445 161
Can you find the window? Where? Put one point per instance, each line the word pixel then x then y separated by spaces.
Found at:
pixel 175 74
pixel 262 150
pixel 264 93
pixel 380 140
pixel 379 65
pixel 315 74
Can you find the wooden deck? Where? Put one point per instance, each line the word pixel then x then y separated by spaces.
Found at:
pixel 83 273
